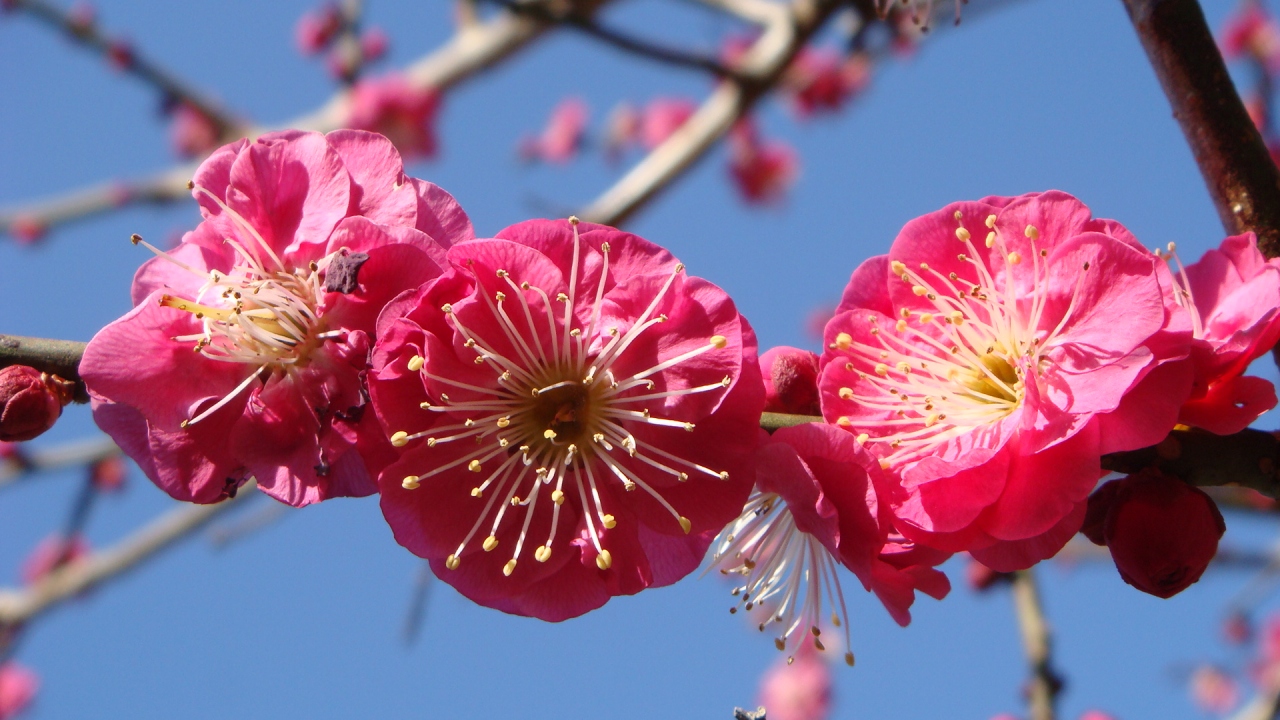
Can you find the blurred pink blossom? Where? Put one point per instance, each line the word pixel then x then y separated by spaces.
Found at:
pixel 392 106
pixel 50 554
pixel 562 138
pixel 18 687
pixel 192 132
pixel 1213 691
pixel 317 28
pixel 662 117
pixel 763 171
pixel 799 689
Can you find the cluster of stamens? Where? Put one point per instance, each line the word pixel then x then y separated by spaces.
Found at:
pixel 1182 288
pixel 938 374
pixel 787 574
pixel 555 420
pixel 261 313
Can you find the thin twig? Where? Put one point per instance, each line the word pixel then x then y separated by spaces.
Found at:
pixel 89 35
pixel 1037 642
pixel 347 46
pixel 56 357
pixel 417 612
pixel 586 24
pixel 20 606
pixel 1243 180
pixel 472 50
pixel 33 460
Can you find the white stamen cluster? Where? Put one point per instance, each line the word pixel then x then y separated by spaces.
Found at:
pixel 1182 288
pixel 261 313
pixel 943 373
pixel 555 419
pixel 787 574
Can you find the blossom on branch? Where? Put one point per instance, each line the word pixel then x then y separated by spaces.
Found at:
pixel 245 350
pixel 798 688
pixel 991 358
pixel 578 416
pixel 18 688
pixel 762 170
pixel 816 507
pixel 30 402
pixel 563 137
pixel 392 106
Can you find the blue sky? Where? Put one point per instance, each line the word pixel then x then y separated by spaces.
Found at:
pixel 303 618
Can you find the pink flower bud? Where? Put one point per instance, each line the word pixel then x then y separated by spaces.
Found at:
pixel 81 18
pixel 1162 532
pixel 799 690
pixel 192 133
pixel 790 381
pixel 30 402
pixel 1237 629
pixel 108 474
pixel 120 54
pixel 27 229
pixel 316 29
pixel 18 687
pixel 373 44
pixel 52 553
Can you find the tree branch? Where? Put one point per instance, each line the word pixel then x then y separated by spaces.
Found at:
pixel 1037 641
pixel 472 50
pixel 56 357
pixel 1242 179
pixel 20 606
pixel 89 35
pixel 78 452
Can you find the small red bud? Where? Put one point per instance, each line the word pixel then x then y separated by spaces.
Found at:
pixel 1162 532
pixel 982 578
pixel 1237 628
pixel 790 381
pixel 108 474
pixel 120 54
pixel 373 44
pixel 30 402
pixel 27 229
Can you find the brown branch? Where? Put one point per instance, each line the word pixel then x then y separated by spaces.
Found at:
pixel 1037 642
pixel 89 35
pixel 56 357
pixel 1243 181
pixel 472 50
pixel 1248 458
pixel 20 606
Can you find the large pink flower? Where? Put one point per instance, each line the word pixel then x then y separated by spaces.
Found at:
pixel 989 360
pixel 816 507
pixel 1233 298
pixel 244 352
pixel 579 417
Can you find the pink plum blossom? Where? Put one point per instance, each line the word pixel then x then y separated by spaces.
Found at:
pixel 578 415
pixel 18 688
pixel 762 170
pixel 317 28
pixel 1213 690
pixel 824 80
pixel 990 360
pixel 563 137
pixel 797 688
pixel 621 129
pixel 662 117
pixel 816 506
pixel 394 107
pixel 1232 296
pixel 246 347
pixel 1253 33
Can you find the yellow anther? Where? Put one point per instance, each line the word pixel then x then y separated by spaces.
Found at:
pixel 991 238
pixel 503 422
pixel 919 290
pixel 477 492
pixel 608 522
pixel 400 438
pixel 451 562
pixel 991 221
pixel 898 268
pixel 489 543
pixel 1014 258
pixel 573 220
pixel 843 341
pixel 957 317
pixel 446 308
pixel 542 553
pixel 846 393
pixel 416 362
pixel 863 438
pixel 410 482
pixel 930 420
pixel 780 644
pixel 901 325
pixel 884 464
pixel 721 342
pixel 1032 232
pixel 549 434
pixel 509 568
pixel 959 216
pixel 844 421
pixel 962 235
pixel 474 466
pixel 904 368
pixel 604 560
pixel 848 659
pixel 882 369
pixel 926 318
pixel 685 524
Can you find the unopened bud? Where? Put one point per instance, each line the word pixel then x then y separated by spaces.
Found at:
pixel 30 402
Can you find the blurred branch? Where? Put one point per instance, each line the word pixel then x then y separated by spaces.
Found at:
pixel 237 529
pixel 1037 642
pixel 85 31
pixel 572 18
pixel 347 45
pixel 1243 180
pixel 1264 706
pixel 20 606
pixel 417 612
pixel 1249 458
pixel 79 452
pixel 473 49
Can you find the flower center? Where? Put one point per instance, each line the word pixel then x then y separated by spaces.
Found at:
pixel 556 418
pixel 935 374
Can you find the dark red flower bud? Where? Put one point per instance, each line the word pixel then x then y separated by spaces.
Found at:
pixel 120 54
pixel 1096 516
pixel 108 474
pixel 1237 629
pixel 1162 532
pixel 27 229
pixel 790 381
pixel 982 578
pixel 30 402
